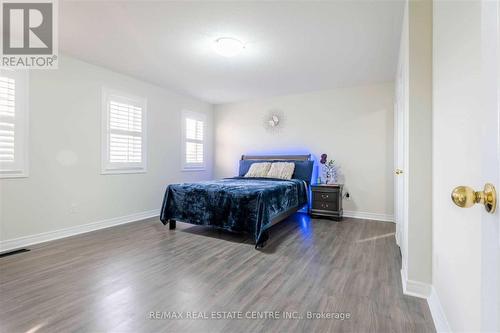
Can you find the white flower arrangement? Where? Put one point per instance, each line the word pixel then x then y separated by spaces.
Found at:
pixel 329 169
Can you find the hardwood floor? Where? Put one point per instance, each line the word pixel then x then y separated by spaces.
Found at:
pixel 111 280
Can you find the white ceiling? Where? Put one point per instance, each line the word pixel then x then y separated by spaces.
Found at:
pixel 292 47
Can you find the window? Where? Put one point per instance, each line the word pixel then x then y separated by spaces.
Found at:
pixel 193 152
pixel 124 133
pixel 13 124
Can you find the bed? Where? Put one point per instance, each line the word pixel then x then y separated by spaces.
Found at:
pixel 239 204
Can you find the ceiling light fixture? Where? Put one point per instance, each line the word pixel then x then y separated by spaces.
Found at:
pixel 228 47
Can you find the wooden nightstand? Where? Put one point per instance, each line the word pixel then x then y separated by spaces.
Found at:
pixel 327 201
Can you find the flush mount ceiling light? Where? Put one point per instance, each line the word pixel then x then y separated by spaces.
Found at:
pixel 228 47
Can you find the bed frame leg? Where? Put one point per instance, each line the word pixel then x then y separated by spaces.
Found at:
pixel 263 240
pixel 260 245
pixel 172 224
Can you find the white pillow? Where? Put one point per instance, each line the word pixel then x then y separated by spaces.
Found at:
pixel 281 170
pixel 258 169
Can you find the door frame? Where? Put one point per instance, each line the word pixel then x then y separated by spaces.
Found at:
pixel 490 224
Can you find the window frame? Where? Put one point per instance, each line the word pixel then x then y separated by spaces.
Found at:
pixel 20 167
pixel 107 167
pixel 198 116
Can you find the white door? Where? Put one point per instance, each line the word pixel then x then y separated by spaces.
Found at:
pixel 399 165
pixel 466 90
pixel 400 148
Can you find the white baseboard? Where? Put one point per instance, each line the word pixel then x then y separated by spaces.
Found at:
pixel 369 216
pixel 16 243
pixel 437 312
pixel 414 288
pixel 427 291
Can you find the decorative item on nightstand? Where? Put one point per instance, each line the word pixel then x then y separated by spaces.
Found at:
pixel 327 201
pixel 329 169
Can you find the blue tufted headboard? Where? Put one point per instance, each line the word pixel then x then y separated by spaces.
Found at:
pixel 303 164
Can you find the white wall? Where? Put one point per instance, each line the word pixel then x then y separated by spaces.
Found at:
pixel 65 120
pixel 354 126
pixel 420 142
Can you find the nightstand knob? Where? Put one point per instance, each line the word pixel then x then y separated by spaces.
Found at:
pixel 324 196
pixel 324 205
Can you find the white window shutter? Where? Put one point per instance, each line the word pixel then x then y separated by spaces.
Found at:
pixel 7 119
pixel 193 138
pixel 13 123
pixel 194 153
pixel 124 133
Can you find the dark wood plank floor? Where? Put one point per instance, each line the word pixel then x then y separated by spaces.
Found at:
pixel 110 280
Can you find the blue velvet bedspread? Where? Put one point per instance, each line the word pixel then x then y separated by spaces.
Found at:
pixel 235 204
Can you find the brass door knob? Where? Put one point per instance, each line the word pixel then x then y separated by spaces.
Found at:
pixel 465 197
pixel 398 172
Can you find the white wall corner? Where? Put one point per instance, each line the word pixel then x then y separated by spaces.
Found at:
pixel 414 288
pixel 437 312
pixel 16 243
pixel 369 216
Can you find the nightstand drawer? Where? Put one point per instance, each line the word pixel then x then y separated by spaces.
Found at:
pixel 331 196
pixel 325 205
